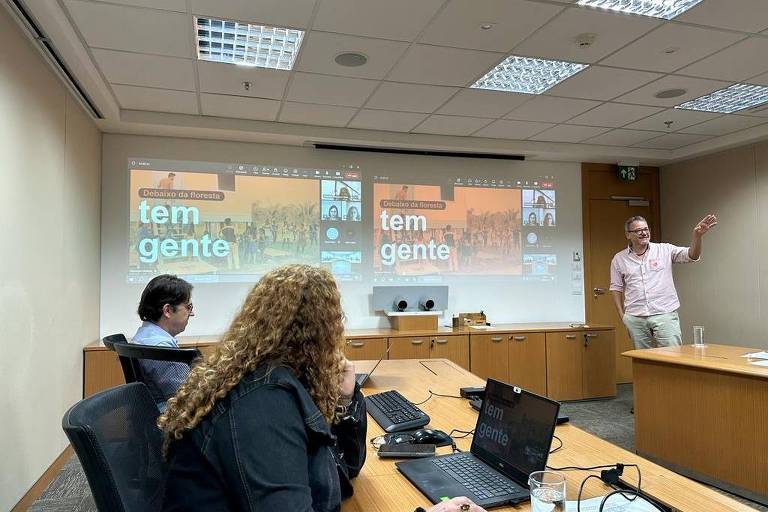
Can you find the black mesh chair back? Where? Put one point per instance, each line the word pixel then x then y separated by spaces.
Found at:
pixel 109 341
pixel 134 357
pixel 119 446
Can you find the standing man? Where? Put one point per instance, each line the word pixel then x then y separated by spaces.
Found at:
pixel 643 274
pixel 167 183
pixel 164 309
pixel 228 233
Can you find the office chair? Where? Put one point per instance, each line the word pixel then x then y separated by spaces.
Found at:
pixel 134 358
pixel 109 341
pixel 119 446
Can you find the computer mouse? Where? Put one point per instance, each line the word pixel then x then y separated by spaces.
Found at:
pixel 429 436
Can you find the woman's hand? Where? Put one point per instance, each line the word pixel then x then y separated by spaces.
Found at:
pixel 348 380
pixel 459 504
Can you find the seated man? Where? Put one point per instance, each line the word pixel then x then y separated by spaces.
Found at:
pixel 165 309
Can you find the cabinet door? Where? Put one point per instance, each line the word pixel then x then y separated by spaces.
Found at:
pixel 455 348
pixel 368 348
pixel 564 363
pixel 599 373
pixel 409 348
pixel 489 356
pixel 528 361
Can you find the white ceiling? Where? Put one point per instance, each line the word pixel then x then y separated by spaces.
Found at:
pixel 139 55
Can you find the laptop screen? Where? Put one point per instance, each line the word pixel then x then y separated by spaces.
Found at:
pixel 514 430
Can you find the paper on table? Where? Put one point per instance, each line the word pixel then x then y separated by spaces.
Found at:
pixel 759 363
pixel 480 327
pixel 757 355
pixel 614 504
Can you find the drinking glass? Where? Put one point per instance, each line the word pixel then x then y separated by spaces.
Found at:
pixel 547 491
pixel 698 336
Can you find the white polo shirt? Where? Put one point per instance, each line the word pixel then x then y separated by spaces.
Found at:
pixel 647 280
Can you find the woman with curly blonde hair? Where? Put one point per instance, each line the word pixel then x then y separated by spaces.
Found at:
pixel 272 420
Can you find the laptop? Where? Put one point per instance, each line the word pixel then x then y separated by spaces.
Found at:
pixel 512 439
pixel 362 378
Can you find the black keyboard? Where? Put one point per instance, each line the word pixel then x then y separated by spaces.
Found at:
pixel 481 480
pixel 394 413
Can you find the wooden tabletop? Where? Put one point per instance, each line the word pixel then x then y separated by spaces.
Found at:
pixel 725 358
pixel 381 488
pixel 191 341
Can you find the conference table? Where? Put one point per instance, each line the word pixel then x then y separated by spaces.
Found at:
pixel 381 488
pixel 703 412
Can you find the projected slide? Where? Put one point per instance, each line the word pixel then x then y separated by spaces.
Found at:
pixel 227 222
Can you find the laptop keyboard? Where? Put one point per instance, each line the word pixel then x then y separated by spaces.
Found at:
pixel 478 478
pixel 394 412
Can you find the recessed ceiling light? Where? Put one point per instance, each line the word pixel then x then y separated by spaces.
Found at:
pixel 486 26
pixel 731 99
pixel 351 59
pixel 247 44
pixel 670 93
pixel 527 75
pixel 666 9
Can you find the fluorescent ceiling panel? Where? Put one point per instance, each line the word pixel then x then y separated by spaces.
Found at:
pixel 731 99
pixel 665 9
pixel 527 75
pixel 247 44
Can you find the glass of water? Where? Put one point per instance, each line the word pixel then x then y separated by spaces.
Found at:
pixel 547 491
pixel 698 336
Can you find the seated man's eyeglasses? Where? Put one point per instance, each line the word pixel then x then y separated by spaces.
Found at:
pixel 639 230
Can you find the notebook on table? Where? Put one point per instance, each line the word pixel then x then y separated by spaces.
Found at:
pixel 512 439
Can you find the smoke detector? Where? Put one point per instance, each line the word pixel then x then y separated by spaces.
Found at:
pixel 585 40
pixel 351 59
pixel 670 93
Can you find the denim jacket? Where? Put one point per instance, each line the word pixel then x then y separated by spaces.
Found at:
pixel 266 446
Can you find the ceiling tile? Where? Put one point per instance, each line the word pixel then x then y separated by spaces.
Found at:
pixel 410 97
pixel 284 13
pixel 556 40
pixel 760 79
pixel 148 70
pixel 614 115
pixel 401 20
pixel 550 109
pixel 330 90
pixel 695 86
pixel 157 100
pixel 386 120
pixel 680 119
pixel 218 77
pixel 166 5
pixel 743 15
pixel 671 47
pixel 458 25
pixel 725 124
pixel 622 137
pixel 513 130
pixel 451 125
pixel 759 110
pixel 600 83
pixel 321 48
pixel 672 141
pixel 738 62
pixel 480 103
pixel 126 28
pixel 438 65
pixel 323 115
pixel 239 107
pixel 568 133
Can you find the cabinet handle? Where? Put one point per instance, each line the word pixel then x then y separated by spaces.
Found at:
pixel 417 342
pixel 591 335
pixel 570 336
pixel 356 343
pixel 441 341
pixel 518 338
pixel 496 338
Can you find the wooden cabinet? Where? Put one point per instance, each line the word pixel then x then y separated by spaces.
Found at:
pixel 366 348
pixel 517 358
pixel 580 365
pixel 415 347
pixel 452 347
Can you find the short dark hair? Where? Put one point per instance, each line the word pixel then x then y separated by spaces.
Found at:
pixel 171 174
pixel 161 290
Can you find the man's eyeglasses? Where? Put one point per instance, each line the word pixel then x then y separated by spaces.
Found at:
pixel 639 230
pixel 189 306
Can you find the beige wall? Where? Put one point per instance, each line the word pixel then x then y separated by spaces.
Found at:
pixel 727 292
pixel 49 258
